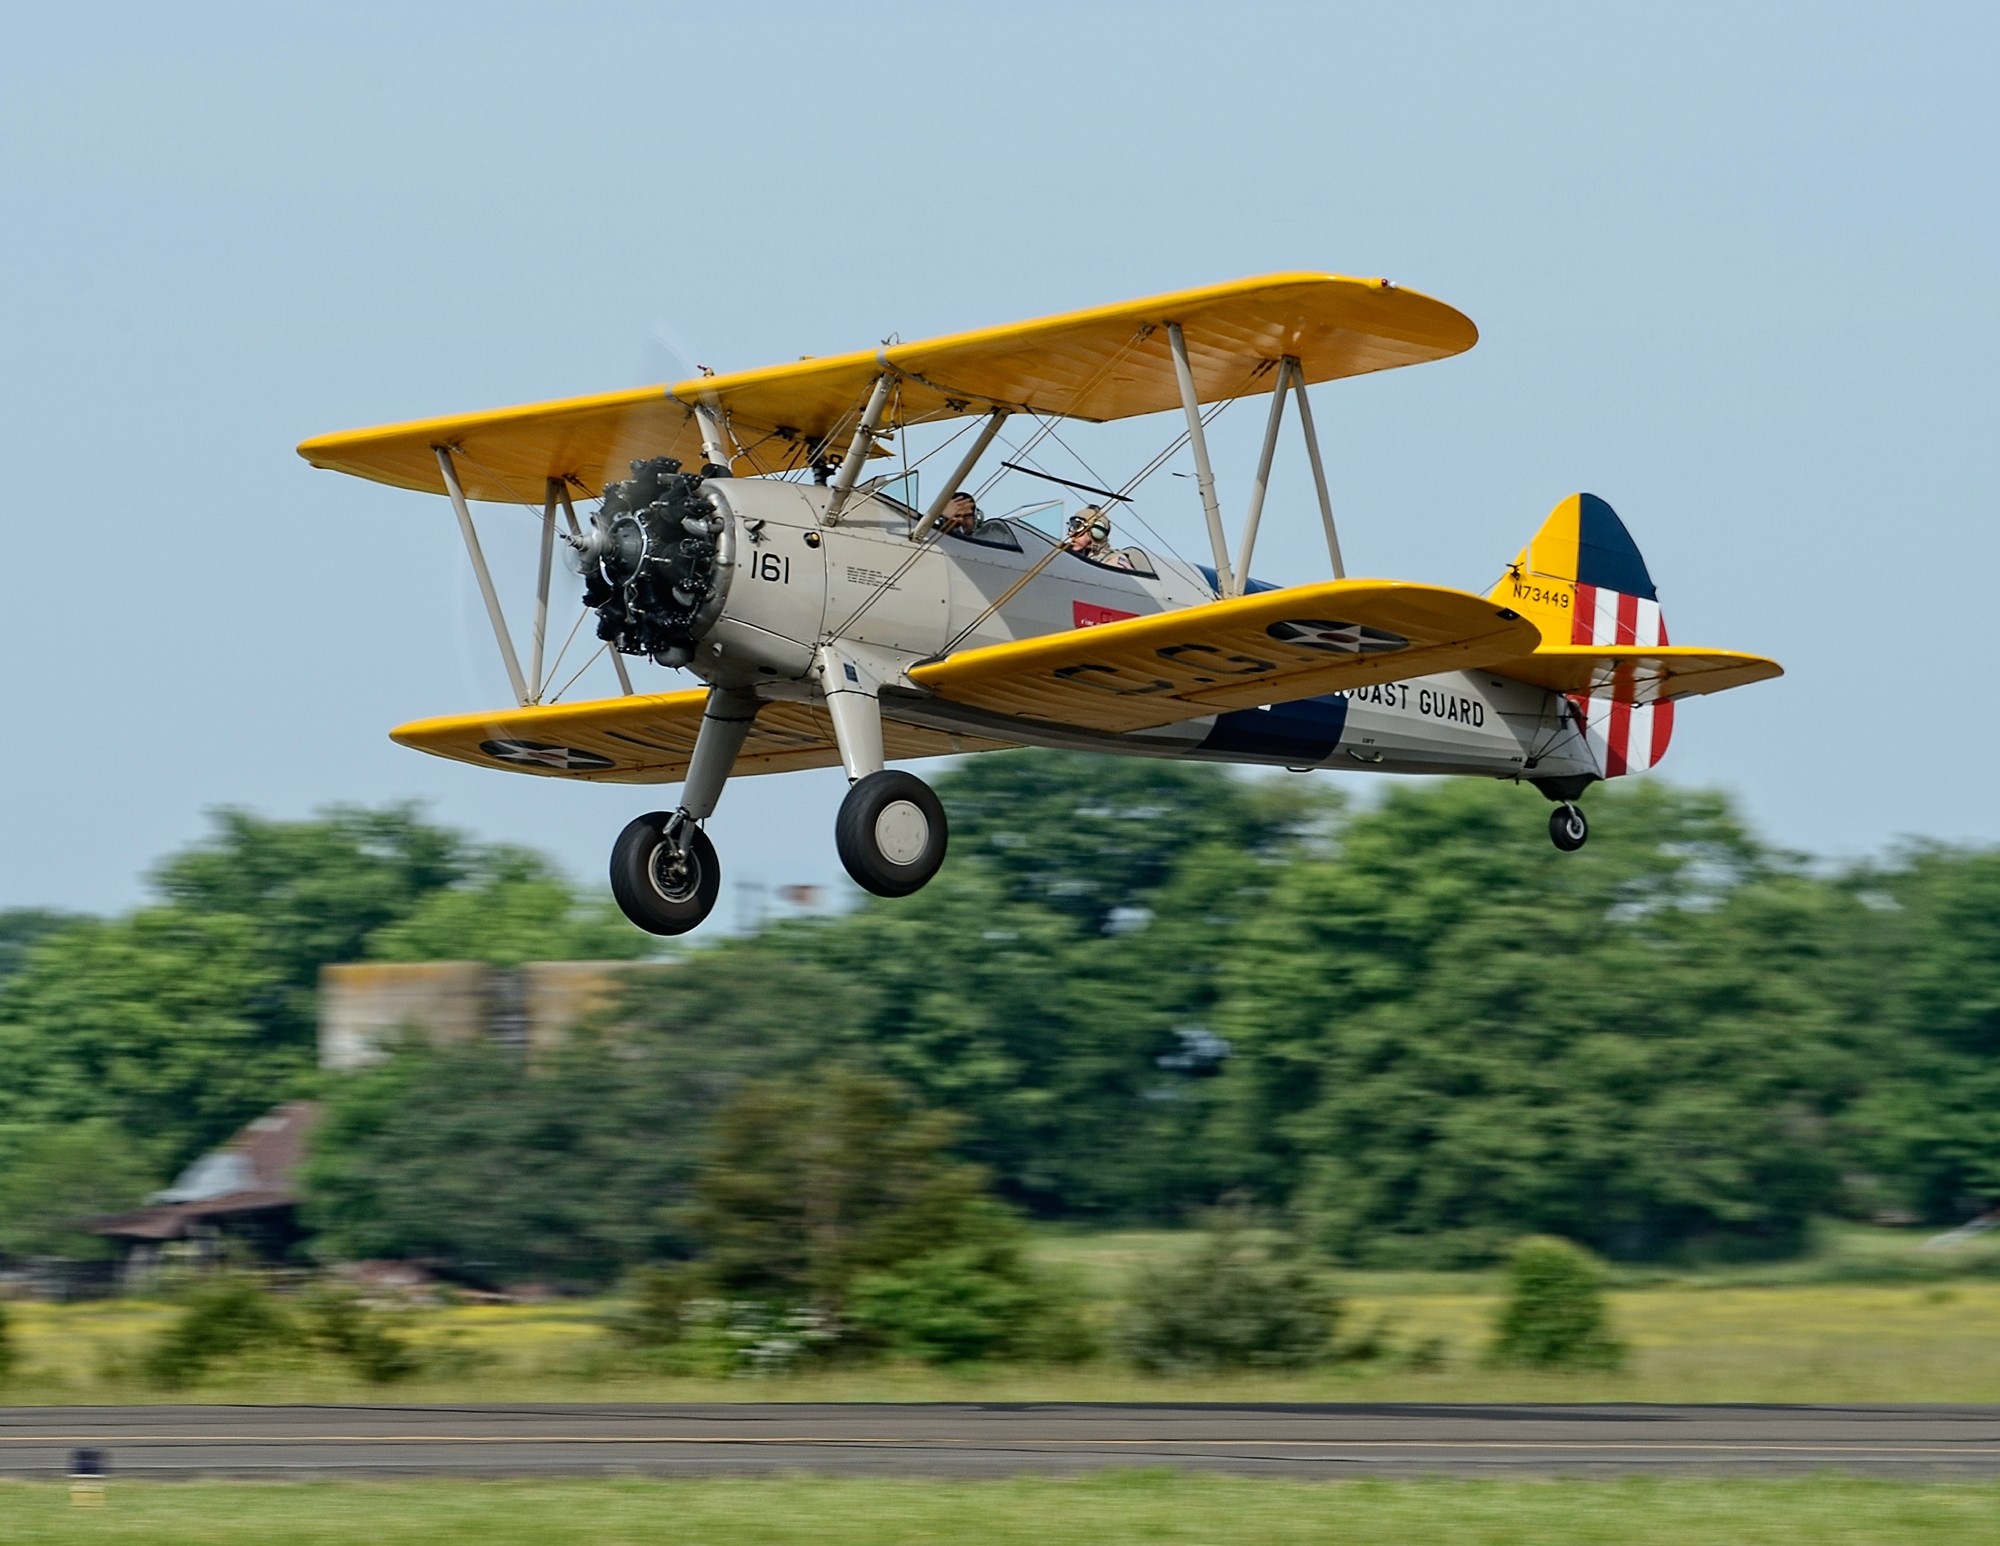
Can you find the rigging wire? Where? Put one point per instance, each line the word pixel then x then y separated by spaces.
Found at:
pixel 566 686
pixel 556 666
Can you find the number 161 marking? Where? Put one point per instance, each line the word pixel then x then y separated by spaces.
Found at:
pixel 771 566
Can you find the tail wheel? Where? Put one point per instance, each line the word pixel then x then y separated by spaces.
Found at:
pixel 1567 828
pixel 663 886
pixel 891 833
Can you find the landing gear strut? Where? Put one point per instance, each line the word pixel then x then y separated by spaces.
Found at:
pixel 1567 828
pixel 664 873
pixel 891 828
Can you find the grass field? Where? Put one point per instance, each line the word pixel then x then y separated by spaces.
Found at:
pixel 1103 1510
pixel 1867 1319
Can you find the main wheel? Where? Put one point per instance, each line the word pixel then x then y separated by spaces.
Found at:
pixel 660 888
pixel 890 833
pixel 1567 828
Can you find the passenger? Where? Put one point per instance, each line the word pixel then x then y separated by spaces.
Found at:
pixel 961 515
pixel 1090 537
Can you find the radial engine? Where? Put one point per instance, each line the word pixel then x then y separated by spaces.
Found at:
pixel 656 561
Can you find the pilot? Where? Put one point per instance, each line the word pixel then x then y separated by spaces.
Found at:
pixel 961 515
pixel 1090 537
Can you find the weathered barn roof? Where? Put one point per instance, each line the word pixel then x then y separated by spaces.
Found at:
pixel 255 1172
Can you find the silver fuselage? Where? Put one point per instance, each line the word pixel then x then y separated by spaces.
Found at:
pixel 795 581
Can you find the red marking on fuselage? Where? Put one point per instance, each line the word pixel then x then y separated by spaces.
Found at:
pixel 1089 615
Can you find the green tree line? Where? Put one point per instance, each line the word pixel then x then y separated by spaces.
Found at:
pixel 1411 1028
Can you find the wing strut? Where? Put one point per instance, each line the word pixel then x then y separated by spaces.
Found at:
pixel 1291 378
pixel 857 450
pixel 1263 479
pixel 1319 470
pixel 493 612
pixel 714 437
pixel 548 564
pixel 1203 473
pixel 961 472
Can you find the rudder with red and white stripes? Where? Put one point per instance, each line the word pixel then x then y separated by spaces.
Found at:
pixel 1624 737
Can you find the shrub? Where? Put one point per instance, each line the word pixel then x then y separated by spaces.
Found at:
pixel 977 1301
pixel 1237 1303
pixel 229 1318
pixel 657 1313
pixel 677 1326
pixel 1554 1316
pixel 339 1322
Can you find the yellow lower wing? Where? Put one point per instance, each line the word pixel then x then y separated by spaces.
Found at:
pixel 1638 673
pixel 648 739
pixel 1270 647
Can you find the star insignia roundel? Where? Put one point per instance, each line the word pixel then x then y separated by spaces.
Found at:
pixel 1336 638
pixel 539 754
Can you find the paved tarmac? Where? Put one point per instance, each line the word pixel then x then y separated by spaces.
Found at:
pixel 1329 1442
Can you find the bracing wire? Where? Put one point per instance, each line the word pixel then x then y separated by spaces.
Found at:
pixel 556 665
pixel 566 686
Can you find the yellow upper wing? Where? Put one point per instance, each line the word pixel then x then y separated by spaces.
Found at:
pixel 1638 673
pixel 1269 647
pixel 648 739
pixel 1110 362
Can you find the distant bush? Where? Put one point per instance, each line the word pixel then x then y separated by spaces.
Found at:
pixel 233 1320
pixel 1554 1316
pixel 655 1313
pixel 340 1323
pixel 228 1319
pixel 1239 1302
pixel 676 1325
pixel 982 1300
pixel 974 1300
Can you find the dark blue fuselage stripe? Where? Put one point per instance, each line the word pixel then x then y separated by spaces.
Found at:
pixel 1302 732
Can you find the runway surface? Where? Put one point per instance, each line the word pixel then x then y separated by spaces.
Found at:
pixel 1327 1442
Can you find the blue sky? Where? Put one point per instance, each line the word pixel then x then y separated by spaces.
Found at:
pixel 1732 268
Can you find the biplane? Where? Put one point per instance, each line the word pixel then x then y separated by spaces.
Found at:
pixel 836 619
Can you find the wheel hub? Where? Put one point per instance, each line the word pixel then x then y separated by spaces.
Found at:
pixel 901 832
pixel 674 874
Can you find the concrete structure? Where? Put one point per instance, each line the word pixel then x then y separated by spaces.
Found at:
pixel 363 1008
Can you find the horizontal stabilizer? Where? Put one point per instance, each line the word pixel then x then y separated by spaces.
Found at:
pixel 1637 673
pixel 1271 647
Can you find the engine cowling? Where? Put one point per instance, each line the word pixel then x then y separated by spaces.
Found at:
pixel 656 562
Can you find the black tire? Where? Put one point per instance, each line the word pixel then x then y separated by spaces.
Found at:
pixel 644 881
pixel 1568 829
pixel 891 833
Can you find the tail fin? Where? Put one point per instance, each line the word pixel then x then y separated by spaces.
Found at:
pixel 1581 581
